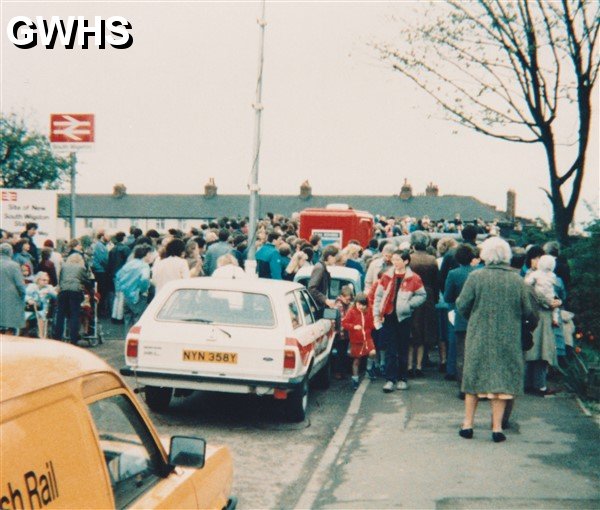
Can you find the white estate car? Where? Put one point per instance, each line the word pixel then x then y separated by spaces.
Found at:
pixel 246 335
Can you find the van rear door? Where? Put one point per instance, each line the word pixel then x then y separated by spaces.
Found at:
pixel 49 453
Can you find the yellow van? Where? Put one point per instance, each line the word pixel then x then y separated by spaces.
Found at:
pixel 74 436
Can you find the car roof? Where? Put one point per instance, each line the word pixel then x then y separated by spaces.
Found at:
pixel 432 235
pixel 250 284
pixel 348 273
pixel 28 364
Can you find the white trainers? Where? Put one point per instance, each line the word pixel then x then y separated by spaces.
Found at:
pixel 388 387
pixel 402 385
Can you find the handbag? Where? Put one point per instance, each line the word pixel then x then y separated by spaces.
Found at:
pixel 527 329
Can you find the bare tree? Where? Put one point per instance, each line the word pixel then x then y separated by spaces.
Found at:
pixel 513 71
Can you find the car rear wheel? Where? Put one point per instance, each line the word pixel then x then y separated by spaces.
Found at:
pixel 297 402
pixel 158 399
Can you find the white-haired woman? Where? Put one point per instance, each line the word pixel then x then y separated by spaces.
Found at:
pixel 495 301
pixel 37 302
pixel 228 267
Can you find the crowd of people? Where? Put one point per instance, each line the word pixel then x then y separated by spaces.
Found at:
pixel 472 303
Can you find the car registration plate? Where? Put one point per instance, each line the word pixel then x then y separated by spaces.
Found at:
pixel 210 356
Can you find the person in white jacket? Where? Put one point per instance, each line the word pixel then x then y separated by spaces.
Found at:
pixel 228 267
pixel 172 267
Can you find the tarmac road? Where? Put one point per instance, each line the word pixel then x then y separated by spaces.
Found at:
pixel 366 449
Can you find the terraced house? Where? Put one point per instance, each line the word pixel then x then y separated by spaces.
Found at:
pixel 120 210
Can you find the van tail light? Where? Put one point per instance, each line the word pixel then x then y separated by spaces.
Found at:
pixel 131 345
pixel 289 359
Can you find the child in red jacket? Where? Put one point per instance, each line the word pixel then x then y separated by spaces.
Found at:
pixel 359 324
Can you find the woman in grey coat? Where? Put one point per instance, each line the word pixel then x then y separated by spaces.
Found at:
pixel 12 304
pixel 495 300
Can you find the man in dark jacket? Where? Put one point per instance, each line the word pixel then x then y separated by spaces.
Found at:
pixel 30 231
pixel 469 235
pixel 117 257
pixel 318 285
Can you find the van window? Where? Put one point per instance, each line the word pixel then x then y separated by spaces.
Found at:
pixel 132 458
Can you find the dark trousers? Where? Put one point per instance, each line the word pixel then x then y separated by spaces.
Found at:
pixel 460 337
pixel 69 304
pixel 103 281
pixel 340 357
pixel 397 339
pixel 133 311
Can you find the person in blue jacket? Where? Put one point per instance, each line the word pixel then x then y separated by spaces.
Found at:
pixel 268 259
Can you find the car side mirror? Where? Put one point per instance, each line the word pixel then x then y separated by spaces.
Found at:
pixel 187 451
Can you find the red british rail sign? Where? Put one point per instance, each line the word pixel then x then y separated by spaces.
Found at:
pixel 72 127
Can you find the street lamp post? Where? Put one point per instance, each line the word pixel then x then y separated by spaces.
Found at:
pixel 254 189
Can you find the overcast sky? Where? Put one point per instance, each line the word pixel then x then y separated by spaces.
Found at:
pixel 175 109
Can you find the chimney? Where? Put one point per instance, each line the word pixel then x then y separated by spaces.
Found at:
pixel 432 190
pixel 305 190
pixel 511 204
pixel 406 191
pixel 210 188
pixel 119 190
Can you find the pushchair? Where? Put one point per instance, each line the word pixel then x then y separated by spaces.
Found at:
pixel 92 329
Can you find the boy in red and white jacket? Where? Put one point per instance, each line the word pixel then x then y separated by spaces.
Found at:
pixel 398 293
pixel 359 324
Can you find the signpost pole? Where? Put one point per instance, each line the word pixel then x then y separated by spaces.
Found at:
pixel 73 158
pixel 254 189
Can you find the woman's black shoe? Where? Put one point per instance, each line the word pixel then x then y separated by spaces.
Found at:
pixel 466 433
pixel 419 373
pixel 498 437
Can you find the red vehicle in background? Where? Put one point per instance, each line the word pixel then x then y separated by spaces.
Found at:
pixel 337 223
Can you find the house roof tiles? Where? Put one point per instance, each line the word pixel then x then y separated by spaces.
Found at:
pixel 171 206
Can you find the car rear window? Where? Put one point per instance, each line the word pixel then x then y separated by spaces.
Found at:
pixel 218 306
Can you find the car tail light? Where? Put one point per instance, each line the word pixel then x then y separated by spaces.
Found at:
pixel 280 394
pixel 132 348
pixel 289 359
pixel 132 343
